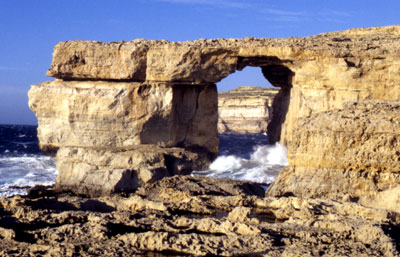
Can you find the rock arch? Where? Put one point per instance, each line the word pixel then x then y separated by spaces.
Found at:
pixel 95 102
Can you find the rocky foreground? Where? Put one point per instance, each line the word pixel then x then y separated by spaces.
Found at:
pixel 185 215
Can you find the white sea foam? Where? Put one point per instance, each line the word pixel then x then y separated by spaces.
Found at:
pixel 25 171
pixel 263 166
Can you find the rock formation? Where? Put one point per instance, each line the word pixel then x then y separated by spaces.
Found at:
pixel 115 136
pixel 322 72
pixel 194 216
pixel 351 154
pixel 124 96
pixel 246 109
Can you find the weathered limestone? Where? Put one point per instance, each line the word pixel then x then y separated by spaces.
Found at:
pixel 100 61
pixel 345 154
pixel 100 171
pixel 142 128
pixel 195 216
pixel 321 72
pixel 123 114
pixel 129 94
pixel 246 109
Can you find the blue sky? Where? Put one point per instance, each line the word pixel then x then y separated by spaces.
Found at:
pixel 31 28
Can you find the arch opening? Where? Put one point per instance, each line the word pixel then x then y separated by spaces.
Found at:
pixel 245 155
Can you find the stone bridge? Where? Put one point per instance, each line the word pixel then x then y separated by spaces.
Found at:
pixel 121 114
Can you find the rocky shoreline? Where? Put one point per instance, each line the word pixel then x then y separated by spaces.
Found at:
pixel 193 216
pixel 129 120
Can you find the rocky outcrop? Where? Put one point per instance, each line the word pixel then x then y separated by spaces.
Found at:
pixel 193 216
pixel 162 93
pixel 349 154
pixel 115 136
pixel 319 73
pixel 246 109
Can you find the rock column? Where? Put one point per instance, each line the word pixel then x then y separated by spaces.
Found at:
pixel 112 132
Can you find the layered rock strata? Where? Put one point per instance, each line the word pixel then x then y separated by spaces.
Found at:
pixel 115 136
pixel 346 154
pixel 183 215
pixel 246 109
pixel 317 73
pixel 125 95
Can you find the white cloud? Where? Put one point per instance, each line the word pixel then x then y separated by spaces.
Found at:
pixel 335 13
pixel 273 13
pixel 219 3
pixel 6 68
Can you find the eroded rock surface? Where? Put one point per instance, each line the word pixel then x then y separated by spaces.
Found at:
pixel 194 216
pixel 124 95
pixel 246 109
pixel 349 153
pixel 319 73
pixel 108 132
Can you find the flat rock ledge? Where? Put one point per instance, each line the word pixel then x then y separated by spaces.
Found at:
pixel 193 216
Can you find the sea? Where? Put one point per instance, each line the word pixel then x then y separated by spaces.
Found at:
pixel 247 157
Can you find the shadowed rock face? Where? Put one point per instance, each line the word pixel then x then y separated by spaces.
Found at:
pixel 161 93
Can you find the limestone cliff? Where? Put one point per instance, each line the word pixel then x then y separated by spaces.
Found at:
pixel 116 136
pixel 127 95
pixel 317 73
pixel 348 154
pixel 246 109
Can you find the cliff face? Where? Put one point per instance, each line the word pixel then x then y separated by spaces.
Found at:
pixel 126 95
pixel 116 136
pixel 319 73
pixel 246 109
pixel 348 154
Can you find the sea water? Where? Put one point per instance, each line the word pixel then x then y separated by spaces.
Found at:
pixel 246 157
pixel 22 164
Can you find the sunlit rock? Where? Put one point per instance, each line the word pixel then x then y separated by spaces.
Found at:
pixel 246 109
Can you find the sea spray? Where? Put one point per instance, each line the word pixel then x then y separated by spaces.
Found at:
pixel 242 156
pixel 22 164
pixel 20 172
pixel 263 166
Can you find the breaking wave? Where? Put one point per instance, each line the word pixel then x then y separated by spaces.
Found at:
pixel 261 165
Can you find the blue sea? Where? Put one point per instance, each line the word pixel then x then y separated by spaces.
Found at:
pixel 242 156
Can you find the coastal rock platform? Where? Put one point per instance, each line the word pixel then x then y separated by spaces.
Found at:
pixel 193 216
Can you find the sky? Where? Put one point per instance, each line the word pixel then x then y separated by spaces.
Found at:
pixel 29 30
